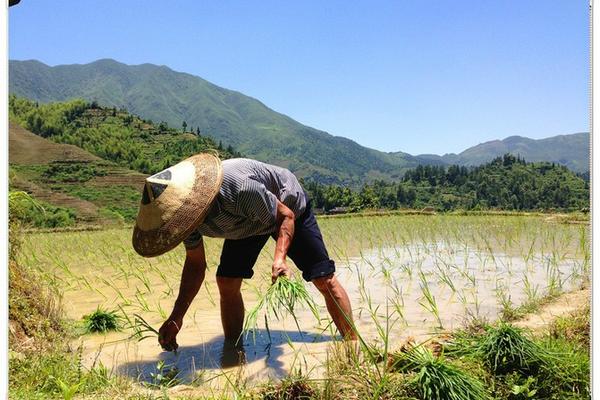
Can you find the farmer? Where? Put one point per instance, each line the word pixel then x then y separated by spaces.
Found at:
pixel 245 202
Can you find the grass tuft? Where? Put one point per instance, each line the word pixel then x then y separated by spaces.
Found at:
pixel 574 328
pixel 101 321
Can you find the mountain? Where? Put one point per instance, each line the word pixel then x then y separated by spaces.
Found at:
pixel 573 151
pixel 161 94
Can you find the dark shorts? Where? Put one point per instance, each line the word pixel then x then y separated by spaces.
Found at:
pixel 307 250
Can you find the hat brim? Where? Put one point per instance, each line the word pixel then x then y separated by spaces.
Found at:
pixel 191 213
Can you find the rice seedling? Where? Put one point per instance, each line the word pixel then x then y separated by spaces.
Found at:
pixel 166 376
pixel 429 304
pixel 398 302
pixel 445 277
pixel 142 329
pixel 284 294
pixel 141 300
pixel 296 386
pixel 531 289
pixel 102 321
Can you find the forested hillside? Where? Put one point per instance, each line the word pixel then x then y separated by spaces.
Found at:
pixel 112 134
pixel 505 183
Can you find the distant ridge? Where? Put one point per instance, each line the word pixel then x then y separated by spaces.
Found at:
pixel 161 94
pixel 573 151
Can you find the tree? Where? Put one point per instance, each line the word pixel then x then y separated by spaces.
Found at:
pixel 411 197
pixel 184 126
pixel 401 195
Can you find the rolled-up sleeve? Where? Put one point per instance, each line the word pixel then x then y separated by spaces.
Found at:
pixel 255 202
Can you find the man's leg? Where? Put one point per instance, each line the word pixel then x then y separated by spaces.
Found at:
pixel 232 307
pixel 237 260
pixel 309 253
pixel 338 304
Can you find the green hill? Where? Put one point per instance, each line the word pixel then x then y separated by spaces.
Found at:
pixel 161 94
pixel 572 151
pixel 87 163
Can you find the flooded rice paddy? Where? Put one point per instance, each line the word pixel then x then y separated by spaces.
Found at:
pixel 407 276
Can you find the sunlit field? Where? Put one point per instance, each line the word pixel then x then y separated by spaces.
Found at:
pixel 408 276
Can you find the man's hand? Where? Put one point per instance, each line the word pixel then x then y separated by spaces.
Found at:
pixel 280 268
pixel 167 334
pixel 191 280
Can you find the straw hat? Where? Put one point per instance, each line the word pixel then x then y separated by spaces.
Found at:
pixel 174 202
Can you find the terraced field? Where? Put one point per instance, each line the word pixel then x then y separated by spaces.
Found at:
pixel 67 176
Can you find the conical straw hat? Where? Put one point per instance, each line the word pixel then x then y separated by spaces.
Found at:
pixel 174 202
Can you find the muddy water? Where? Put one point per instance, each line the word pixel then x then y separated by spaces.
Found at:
pixel 385 285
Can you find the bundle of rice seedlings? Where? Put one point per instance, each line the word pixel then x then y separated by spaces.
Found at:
pixel 436 379
pixel 283 295
pixel 101 321
pixel 505 349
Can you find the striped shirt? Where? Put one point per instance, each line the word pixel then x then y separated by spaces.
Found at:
pixel 247 201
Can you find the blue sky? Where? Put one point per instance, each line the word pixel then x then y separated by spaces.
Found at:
pixel 413 76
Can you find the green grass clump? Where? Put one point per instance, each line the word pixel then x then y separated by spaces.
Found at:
pixel 437 379
pixel 283 295
pixel 505 349
pixel 102 321
pixel 555 366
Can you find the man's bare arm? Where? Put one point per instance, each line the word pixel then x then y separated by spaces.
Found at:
pixel 192 277
pixel 285 233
